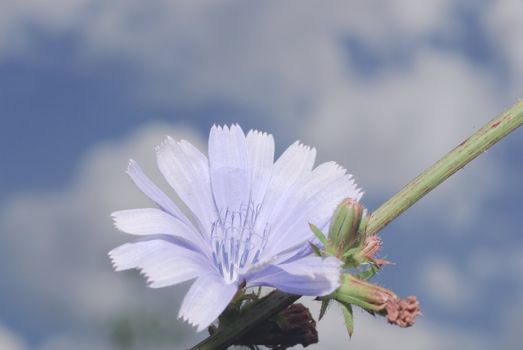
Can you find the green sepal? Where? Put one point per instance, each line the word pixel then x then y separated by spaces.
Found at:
pixel 349 317
pixel 315 249
pixel 323 309
pixel 351 251
pixel 362 229
pixel 347 299
pixel 317 232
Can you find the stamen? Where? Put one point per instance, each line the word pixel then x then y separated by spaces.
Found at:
pixel 236 244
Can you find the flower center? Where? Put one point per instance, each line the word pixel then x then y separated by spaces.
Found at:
pixel 235 243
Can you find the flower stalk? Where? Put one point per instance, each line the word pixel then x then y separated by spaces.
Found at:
pixel 456 159
pixel 453 161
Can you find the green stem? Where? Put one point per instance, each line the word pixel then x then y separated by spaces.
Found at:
pixel 456 159
pixel 453 161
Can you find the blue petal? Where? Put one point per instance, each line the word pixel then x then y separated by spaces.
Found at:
pixel 314 276
pixel 163 262
pixel 206 299
pixel 229 168
pixel 186 169
pixel 153 192
pixel 261 158
pixel 314 202
pixel 151 221
pixel 293 165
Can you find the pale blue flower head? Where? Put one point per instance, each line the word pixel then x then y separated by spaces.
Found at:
pixel 248 223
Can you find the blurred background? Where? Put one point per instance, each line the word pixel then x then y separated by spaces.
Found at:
pixel 383 87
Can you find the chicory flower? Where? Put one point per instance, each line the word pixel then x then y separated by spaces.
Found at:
pixel 248 223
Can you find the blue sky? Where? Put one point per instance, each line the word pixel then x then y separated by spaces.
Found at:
pixel 384 89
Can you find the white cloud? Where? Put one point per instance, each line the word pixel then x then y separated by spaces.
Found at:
pixel 284 61
pixel 67 342
pixel 505 28
pixel 55 244
pixel 376 334
pixel 460 286
pixel 388 130
pixel 274 57
pixel 488 265
pixel 449 286
pixel 70 233
pixel 9 340
pixel 20 18
pixel 290 65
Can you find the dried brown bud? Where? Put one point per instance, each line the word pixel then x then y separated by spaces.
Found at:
pixel 373 298
pixel 402 312
pixel 291 327
pixel 371 247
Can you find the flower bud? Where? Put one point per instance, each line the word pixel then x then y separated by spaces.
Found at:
pixel 344 229
pixel 376 299
pixel 366 295
pixel 292 326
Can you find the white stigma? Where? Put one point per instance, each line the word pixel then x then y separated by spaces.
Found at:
pixel 235 243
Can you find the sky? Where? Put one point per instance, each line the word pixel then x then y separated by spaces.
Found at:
pixel 383 88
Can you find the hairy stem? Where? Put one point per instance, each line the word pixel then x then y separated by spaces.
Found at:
pixel 453 161
pixel 456 159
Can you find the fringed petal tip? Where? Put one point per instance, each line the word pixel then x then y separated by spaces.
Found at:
pixel 305 148
pixel 260 134
pixel 119 263
pixel 226 130
pixel 168 142
pixel 353 191
pixel 356 192
pixel 199 326
pixel 114 263
pixel 131 163
pixel 119 259
pixel 225 127
pixel 208 296
pixel 115 216
pixel 121 220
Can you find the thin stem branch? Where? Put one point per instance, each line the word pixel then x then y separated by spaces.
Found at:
pixel 456 159
pixel 453 161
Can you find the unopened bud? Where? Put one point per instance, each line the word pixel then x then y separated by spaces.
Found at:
pixel 364 294
pixel 373 298
pixel 345 225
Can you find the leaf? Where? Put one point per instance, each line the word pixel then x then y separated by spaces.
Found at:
pixel 324 305
pixel 317 232
pixel 348 316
